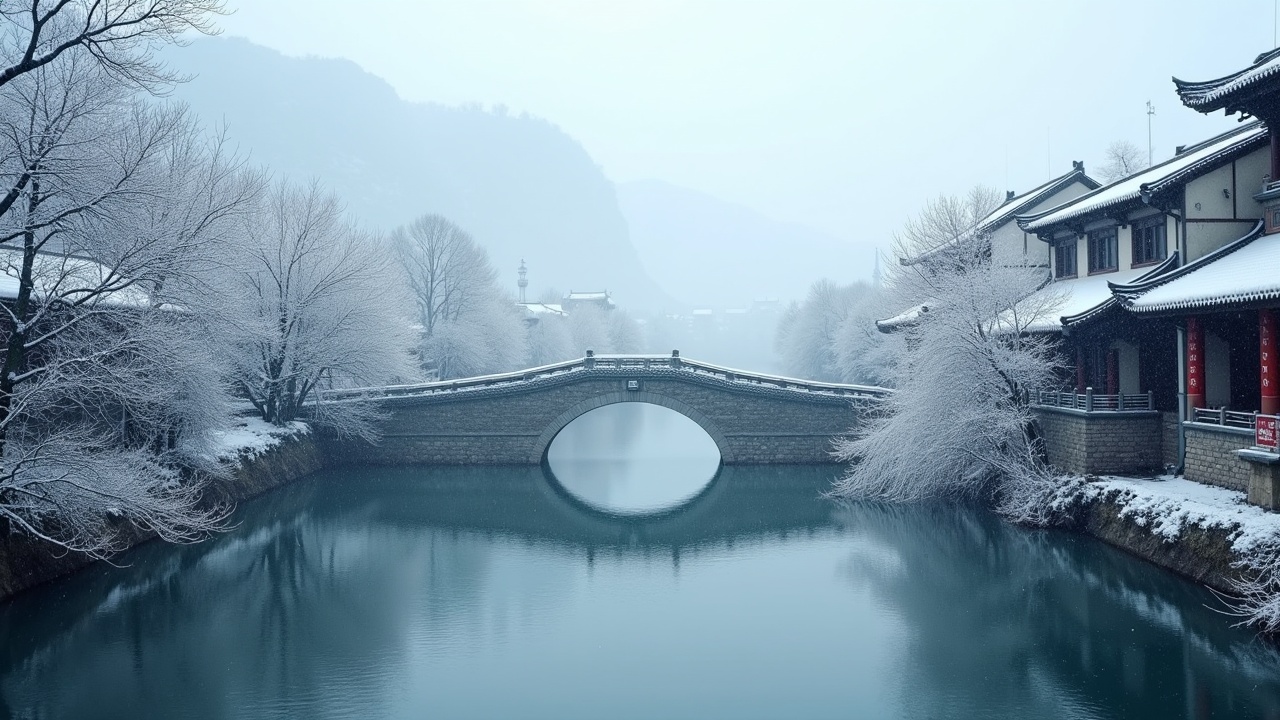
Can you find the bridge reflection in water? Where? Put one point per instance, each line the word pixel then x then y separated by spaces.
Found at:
pixel 488 592
pixel 633 458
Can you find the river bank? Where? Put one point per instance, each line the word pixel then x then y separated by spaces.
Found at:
pixel 261 457
pixel 1203 532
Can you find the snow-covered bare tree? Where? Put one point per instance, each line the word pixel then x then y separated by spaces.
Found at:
pixel 1121 159
pixel 469 326
pixel 589 329
pixel 959 424
pixel 114 39
pixel 549 340
pixel 117 35
pixel 104 390
pixel 863 354
pixel 445 268
pixel 625 334
pixel 808 336
pixel 946 222
pixel 486 336
pixel 309 307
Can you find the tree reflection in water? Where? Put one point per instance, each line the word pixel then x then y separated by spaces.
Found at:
pixel 375 592
pixel 1076 628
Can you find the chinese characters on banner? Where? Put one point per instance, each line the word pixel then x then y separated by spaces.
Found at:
pixel 1195 363
pixel 1267 361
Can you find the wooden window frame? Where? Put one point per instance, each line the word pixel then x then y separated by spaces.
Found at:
pixel 1061 251
pixel 1150 242
pixel 1101 240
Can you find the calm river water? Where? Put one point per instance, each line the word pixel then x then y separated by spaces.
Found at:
pixel 624 590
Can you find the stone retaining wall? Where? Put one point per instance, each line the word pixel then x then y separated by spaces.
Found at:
pixel 1204 555
pixel 1102 443
pixel 1211 455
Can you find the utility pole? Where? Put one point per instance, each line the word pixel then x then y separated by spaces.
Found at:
pixel 1151 110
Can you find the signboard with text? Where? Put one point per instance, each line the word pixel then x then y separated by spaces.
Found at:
pixel 1265 432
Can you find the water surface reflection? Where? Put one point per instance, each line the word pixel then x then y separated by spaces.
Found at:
pixel 633 458
pixel 484 593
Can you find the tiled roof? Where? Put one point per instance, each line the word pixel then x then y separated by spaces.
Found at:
pixel 1010 208
pixel 1211 95
pixel 1244 271
pixel 1156 179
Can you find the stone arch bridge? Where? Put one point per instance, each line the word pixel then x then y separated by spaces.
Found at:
pixel 511 419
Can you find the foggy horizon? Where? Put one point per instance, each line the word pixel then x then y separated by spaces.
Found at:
pixel 800 112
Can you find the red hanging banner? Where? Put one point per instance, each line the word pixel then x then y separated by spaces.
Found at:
pixel 1195 363
pixel 1267 362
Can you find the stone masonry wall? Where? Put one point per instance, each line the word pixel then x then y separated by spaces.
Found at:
pixel 1101 443
pixel 1211 455
pixel 515 425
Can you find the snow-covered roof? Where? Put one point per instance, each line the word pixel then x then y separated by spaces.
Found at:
pixel 72 279
pixel 1012 206
pixel 1146 183
pixel 1247 270
pixel 906 318
pixel 703 311
pixel 1210 95
pixel 543 308
pixel 1072 299
pixel 602 295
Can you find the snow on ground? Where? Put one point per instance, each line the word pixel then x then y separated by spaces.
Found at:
pixel 1168 504
pixel 249 437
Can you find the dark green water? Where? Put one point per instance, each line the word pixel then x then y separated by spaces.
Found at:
pixel 495 593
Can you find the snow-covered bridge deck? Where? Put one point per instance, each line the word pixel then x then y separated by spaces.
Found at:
pixel 511 418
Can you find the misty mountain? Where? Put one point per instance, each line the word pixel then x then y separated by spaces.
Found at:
pixel 520 185
pixel 730 254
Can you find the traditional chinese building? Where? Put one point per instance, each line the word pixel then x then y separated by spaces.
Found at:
pixel 1007 243
pixel 1190 254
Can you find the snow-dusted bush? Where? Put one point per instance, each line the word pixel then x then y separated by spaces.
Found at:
pixel 959 424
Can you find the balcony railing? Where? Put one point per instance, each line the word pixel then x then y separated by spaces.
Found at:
pixel 1225 417
pixel 1089 401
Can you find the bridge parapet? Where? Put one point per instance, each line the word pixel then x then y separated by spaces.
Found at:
pixel 603 364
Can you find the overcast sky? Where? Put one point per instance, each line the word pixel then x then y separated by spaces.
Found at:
pixel 845 116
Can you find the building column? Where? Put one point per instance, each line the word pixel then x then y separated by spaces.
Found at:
pixel 1113 372
pixel 1275 153
pixel 1195 365
pixel 1080 376
pixel 1267 361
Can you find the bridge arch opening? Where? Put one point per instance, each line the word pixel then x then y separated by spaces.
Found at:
pixel 632 458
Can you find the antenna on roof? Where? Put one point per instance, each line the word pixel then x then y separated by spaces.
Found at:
pixel 1151 111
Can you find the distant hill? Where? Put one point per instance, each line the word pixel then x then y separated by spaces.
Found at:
pixel 521 186
pixel 715 253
